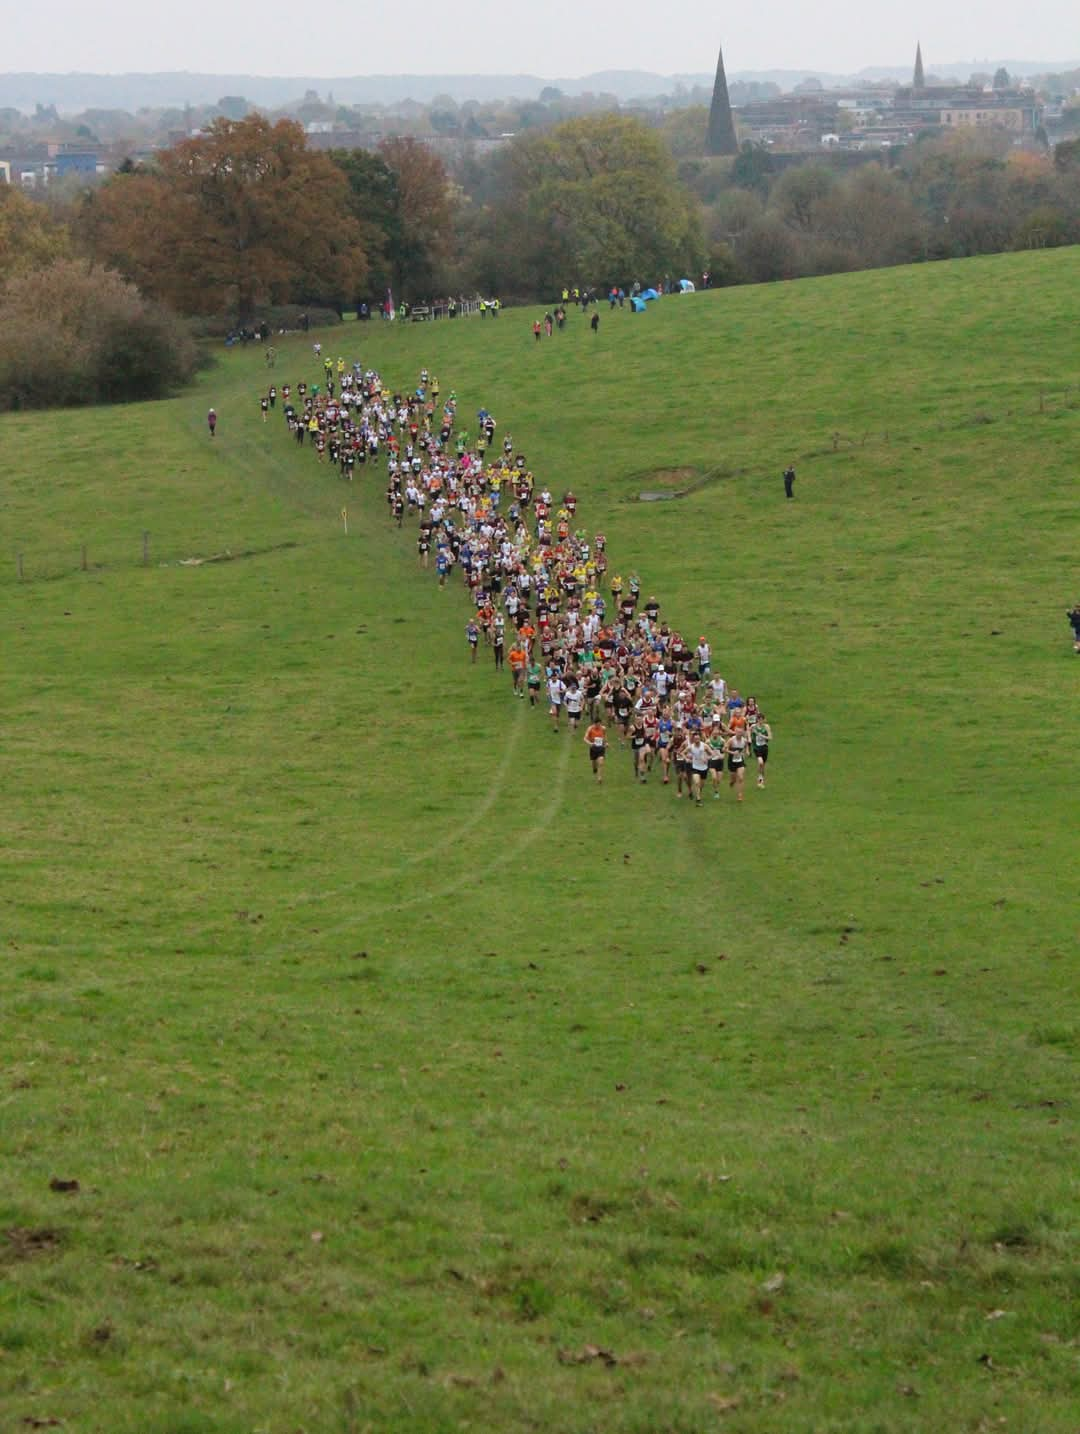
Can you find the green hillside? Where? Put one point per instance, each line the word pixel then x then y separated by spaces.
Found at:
pixel 412 1082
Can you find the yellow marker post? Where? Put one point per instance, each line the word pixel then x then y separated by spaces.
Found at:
pixel 345 520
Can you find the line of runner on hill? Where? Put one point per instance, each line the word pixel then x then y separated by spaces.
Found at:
pixel 539 584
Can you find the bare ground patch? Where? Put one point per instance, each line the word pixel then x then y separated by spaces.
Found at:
pixel 23 1243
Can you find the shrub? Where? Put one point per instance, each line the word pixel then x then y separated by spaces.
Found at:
pixel 74 334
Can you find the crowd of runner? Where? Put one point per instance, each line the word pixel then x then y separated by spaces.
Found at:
pixel 574 638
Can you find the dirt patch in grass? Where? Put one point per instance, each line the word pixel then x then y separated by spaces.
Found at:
pixel 662 484
pixel 23 1243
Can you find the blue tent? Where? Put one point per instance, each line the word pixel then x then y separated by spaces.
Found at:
pixel 686 287
pixel 638 305
pixel 650 294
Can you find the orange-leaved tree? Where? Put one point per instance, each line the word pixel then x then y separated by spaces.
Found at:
pixel 240 215
pixel 425 213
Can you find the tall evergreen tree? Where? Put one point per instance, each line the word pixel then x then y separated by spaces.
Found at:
pixel 720 138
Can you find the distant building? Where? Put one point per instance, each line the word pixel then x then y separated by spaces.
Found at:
pixel 791 121
pixel 1019 118
pixel 39 164
pixel 371 139
pixel 82 161
pixel 25 171
pixel 345 139
pixel 874 117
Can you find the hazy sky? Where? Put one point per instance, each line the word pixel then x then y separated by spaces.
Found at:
pixel 542 37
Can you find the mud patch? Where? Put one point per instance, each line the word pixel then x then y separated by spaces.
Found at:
pixel 663 483
pixel 23 1243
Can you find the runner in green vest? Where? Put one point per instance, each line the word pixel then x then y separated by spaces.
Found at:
pixel 760 737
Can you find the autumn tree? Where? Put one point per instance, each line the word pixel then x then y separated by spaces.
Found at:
pixel 241 215
pixel 29 237
pixel 426 207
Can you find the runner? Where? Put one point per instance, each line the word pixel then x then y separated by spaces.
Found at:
pixel 664 732
pixel 699 767
pixel 717 744
pixel 574 702
pixel 595 740
pixel 518 660
pixel 533 678
pixel 639 747
pixel 735 748
pixel 682 762
pixel 760 737
pixel 556 692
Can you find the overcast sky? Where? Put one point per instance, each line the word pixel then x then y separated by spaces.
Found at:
pixel 541 37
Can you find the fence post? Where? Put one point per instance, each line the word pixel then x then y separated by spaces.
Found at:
pixel 84 557
pixel 145 549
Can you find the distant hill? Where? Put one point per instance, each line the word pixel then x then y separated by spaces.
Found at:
pixel 71 93
pixel 74 92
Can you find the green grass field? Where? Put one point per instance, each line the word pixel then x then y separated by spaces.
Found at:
pixel 413 1083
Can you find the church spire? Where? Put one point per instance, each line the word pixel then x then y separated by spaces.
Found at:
pixel 920 78
pixel 720 138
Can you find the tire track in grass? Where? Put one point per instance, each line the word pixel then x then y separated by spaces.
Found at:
pixel 495 789
pixel 450 888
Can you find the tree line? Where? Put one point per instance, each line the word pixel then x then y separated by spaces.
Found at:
pixel 944 197
pixel 247 215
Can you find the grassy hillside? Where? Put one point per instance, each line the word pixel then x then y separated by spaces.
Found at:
pixel 410 1081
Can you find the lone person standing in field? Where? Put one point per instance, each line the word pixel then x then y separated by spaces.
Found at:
pixel 211 422
pixel 1074 620
pixel 789 481
pixel 594 323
